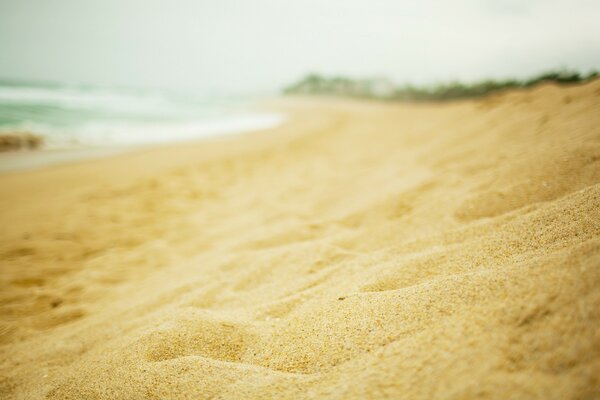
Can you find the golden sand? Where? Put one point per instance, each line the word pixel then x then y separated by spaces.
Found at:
pixel 362 250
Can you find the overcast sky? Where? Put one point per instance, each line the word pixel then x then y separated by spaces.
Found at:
pixel 254 45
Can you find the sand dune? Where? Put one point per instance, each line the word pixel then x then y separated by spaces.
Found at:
pixel 362 250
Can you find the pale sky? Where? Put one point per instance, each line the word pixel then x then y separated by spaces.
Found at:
pixel 261 45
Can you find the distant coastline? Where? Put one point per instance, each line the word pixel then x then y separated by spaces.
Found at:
pixel 385 89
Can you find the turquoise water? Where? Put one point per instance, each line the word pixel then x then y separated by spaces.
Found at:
pixel 69 116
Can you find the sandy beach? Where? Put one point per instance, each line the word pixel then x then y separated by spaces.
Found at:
pixel 360 250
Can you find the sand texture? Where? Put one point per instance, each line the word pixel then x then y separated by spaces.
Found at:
pixel 362 250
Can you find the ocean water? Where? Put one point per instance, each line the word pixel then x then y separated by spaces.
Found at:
pixel 78 116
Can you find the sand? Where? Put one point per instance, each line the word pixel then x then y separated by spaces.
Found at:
pixel 362 250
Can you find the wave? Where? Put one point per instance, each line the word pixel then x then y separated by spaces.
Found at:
pixel 77 98
pixel 74 116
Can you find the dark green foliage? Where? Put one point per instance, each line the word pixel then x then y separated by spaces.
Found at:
pixel 383 89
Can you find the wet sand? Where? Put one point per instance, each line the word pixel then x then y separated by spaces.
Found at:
pixel 360 250
pixel 30 160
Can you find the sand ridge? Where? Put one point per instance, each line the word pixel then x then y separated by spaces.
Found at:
pixel 362 250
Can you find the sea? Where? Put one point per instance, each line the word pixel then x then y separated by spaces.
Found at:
pixel 71 116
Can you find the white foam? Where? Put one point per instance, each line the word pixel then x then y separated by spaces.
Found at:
pixel 87 99
pixel 162 132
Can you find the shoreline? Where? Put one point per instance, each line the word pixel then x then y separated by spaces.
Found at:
pixel 17 160
pixel 359 250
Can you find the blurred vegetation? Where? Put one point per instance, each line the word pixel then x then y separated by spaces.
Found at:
pixel 381 88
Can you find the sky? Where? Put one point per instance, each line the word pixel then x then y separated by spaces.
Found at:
pixel 241 46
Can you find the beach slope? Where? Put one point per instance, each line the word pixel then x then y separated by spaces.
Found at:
pixel 361 250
